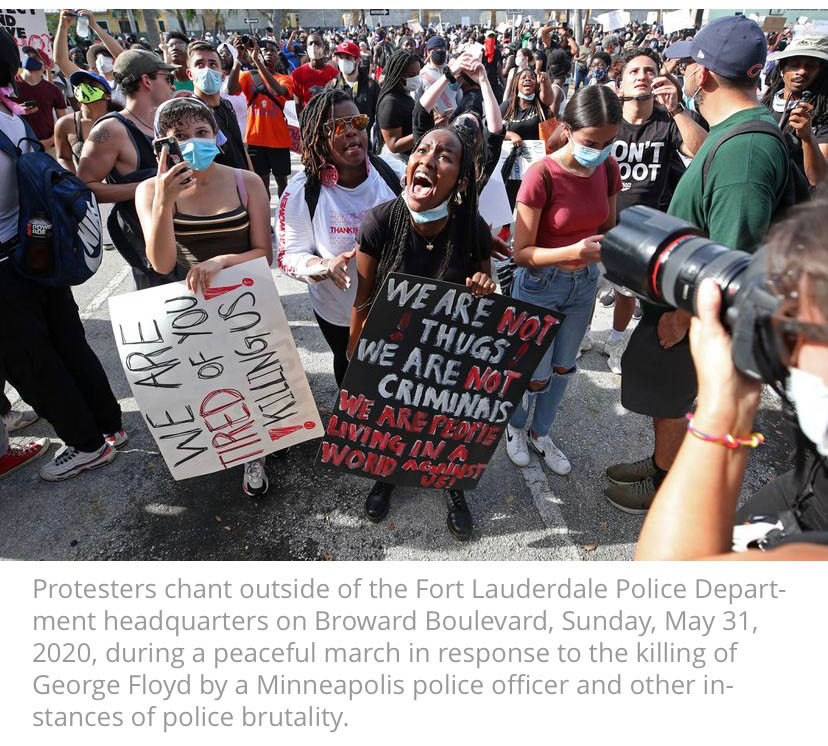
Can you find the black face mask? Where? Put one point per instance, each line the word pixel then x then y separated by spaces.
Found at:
pixel 438 56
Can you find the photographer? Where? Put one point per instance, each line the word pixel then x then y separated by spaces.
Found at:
pixel 692 515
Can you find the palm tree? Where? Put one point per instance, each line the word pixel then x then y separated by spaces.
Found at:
pixel 179 16
pixel 218 21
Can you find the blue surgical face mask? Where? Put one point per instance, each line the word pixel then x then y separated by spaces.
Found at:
pixel 199 152
pixel 689 103
pixel 590 157
pixel 527 96
pixel 428 216
pixel 207 80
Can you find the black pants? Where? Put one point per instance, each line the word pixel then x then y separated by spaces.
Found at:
pixel 337 339
pixel 270 160
pixel 48 360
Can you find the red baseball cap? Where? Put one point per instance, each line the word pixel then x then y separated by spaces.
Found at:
pixel 348 47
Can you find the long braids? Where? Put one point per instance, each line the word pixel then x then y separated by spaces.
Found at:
pixel 514 106
pixel 462 228
pixel 315 145
pixel 394 72
pixel 819 88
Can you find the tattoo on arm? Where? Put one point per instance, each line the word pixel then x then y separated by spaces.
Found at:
pixel 100 135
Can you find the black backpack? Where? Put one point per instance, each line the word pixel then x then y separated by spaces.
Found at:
pixel 389 176
pixel 798 188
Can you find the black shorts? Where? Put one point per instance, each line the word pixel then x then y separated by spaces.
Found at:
pixel 270 160
pixel 656 382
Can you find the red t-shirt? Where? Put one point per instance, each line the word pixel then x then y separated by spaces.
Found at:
pixel 48 98
pixel 308 80
pixel 578 204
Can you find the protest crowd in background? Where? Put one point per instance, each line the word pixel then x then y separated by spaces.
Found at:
pixel 404 133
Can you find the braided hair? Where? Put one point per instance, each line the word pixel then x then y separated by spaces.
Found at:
pixel 819 88
pixel 463 229
pixel 394 72
pixel 316 149
pixel 514 106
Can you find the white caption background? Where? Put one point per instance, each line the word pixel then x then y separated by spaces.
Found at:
pixel 735 666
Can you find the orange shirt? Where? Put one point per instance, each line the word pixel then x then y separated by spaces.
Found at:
pixel 266 125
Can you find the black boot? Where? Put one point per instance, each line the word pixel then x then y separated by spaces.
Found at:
pixel 378 501
pixel 459 519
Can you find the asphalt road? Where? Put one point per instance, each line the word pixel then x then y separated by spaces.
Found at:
pixel 133 510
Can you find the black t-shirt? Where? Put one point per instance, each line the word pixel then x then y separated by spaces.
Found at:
pixel 423 121
pixel 396 109
pixel 644 152
pixel 795 144
pixel 232 152
pixel 375 232
pixel 524 122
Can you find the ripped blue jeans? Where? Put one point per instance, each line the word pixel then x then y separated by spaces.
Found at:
pixel 572 293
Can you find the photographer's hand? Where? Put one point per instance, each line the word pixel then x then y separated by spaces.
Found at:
pixel 672 327
pixel 727 400
pixel 692 514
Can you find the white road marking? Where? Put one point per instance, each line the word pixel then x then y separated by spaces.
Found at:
pixel 107 290
pixel 548 505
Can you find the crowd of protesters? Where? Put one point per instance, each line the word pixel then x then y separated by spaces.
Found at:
pixel 401 128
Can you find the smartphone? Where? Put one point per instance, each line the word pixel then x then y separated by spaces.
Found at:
pixel 30 104
pixel 174 156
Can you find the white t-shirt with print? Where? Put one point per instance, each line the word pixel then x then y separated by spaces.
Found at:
pixel 15 130
pixel 334 231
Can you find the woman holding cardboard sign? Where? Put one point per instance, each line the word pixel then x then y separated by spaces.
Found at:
pixel 194 211
pixel 432 229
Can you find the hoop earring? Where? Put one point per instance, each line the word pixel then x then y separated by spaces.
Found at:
pixel 328 175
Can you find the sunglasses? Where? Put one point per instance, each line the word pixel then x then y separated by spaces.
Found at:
pixel 338 126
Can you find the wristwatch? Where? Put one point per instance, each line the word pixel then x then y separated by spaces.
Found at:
pixel 449 76
pixel 680 108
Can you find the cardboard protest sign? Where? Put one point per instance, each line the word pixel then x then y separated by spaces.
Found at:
pixel 217 378
pixel 292 119
pixel 494 205
pixel 773 24
pixel 28 28
pixel 677 21
pixel 615 19
pixel 433 382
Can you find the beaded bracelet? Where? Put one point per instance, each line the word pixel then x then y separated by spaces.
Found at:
pixel 727 440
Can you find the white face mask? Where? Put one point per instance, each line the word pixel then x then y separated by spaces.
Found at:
pixel 809 394
pixel 521 62
pixel 411 84
pixel 104 64
pixel 347 65
pixel 315 52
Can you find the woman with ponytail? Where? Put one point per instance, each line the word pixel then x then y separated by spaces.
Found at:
pixel 432 230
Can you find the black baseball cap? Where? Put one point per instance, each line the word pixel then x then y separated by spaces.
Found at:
pixel 732 46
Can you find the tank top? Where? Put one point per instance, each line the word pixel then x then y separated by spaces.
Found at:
pixel 77 146
pixel 202 237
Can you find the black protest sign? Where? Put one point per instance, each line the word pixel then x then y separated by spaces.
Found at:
pixel 433 382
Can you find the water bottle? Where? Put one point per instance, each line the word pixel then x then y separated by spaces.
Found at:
pixel 38 243
pixel 83 26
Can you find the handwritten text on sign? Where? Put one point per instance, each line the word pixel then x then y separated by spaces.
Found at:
pixel 217 378
pixel 28 28
pixel 433 382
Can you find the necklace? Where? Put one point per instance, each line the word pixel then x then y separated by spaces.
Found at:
pixel 132 113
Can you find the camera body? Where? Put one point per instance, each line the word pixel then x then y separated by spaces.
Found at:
pixel 663 260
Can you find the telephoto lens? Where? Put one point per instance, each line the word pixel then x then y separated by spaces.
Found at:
pixel 664 260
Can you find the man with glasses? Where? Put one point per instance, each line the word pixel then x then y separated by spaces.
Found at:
pixel 733 203
pixel 118 154
pixel 313 76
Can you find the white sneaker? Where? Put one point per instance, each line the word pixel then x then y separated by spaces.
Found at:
pixel 614 351
pixel 551 454
pixel 116 440
pixel 70 462
pixel 255 482
pixel 586 344
pixel 516 446
pixel 18 420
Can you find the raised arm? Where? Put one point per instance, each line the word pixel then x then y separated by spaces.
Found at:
pixel 108 41
pixel 61 44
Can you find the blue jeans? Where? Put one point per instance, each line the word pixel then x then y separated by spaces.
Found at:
pixel 572 293
pixel 581 76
